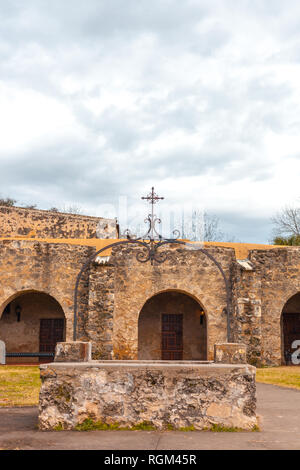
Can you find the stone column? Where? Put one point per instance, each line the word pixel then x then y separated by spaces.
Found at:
pixel 230 353
pixel 73 351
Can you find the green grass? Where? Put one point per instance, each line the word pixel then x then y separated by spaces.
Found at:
pixel 19 385
pixel 90 425
pixel 220 428
pixel 284 376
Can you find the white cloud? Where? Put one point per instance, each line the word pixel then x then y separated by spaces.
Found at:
pixel 200 99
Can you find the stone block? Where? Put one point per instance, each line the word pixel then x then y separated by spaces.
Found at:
pixel 230 353
pixel 73 351
pixel 166 395
pixel 2 353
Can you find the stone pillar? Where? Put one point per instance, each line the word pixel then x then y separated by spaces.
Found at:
pixel 73 351
pixel 230 353
pixel 248 327
pixel 2 353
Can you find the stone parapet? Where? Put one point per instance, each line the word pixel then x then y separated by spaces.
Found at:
pixel 230 353
pixel 36 223
pixel 73 351
pixel 166 395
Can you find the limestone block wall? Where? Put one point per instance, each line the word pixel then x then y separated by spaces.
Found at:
pixel 279 273
pixel 28 266
pixel 260 296
pixel 247 312
pixel 99 321
pixel 34 223
pixel 186 271
pixel 126 394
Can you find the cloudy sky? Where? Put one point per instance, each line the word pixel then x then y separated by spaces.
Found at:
pixel 102 99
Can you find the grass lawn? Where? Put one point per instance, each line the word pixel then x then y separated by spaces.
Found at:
pixel 19 385
pixel 283 376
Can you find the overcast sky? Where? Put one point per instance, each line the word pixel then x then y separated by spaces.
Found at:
pixel 102 99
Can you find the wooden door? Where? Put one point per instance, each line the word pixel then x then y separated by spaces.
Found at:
pixel 51 332
pixel 172 337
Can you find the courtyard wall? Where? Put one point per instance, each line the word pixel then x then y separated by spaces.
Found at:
pixel 35 223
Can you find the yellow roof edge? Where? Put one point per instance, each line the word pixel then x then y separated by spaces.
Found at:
pixel 241 249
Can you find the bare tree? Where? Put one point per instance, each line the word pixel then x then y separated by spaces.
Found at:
pixel 204 227
pixel 8 202
pixel 72 209
pixel 287 222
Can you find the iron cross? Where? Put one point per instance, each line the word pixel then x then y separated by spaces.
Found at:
pixel 152 197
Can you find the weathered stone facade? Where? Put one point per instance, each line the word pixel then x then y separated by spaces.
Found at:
pixel 165 395
pixel 121 300
pixel 35 223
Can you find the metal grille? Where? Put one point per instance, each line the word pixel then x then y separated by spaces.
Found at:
pixel 51 332
pixel 172 337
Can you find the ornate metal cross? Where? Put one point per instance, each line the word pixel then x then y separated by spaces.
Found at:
pixel 153 198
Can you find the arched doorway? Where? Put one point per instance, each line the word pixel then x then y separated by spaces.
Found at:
pixel 290 328
pixel 32 322
pixel 172 326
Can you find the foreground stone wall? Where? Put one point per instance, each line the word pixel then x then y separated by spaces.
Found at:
pixel 34 223
pixel 162 394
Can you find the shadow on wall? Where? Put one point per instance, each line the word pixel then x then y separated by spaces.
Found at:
pixel 32 322
pixel 172 326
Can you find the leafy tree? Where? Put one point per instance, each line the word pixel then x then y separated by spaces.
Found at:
pixel 293 240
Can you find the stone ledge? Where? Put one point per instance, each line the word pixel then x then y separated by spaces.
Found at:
pixel 204 368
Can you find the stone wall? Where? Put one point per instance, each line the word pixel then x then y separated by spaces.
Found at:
pixel 187 271
pixel 99 321
pixel 114 292
pixel 34 223
pixel 164 395
pixel 260 297
pixel 28 266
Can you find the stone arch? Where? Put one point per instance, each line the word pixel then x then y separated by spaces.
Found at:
pixel 172 324
pixel 31 321
pixel 290 327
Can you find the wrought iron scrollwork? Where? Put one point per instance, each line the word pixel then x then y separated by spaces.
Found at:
pixel 150 243
pixel 152 240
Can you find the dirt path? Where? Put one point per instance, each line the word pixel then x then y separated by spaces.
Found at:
pixel 279 409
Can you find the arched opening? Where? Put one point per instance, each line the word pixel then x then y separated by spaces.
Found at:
pixel 172 326
pixel 32 322
pixel 290 329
